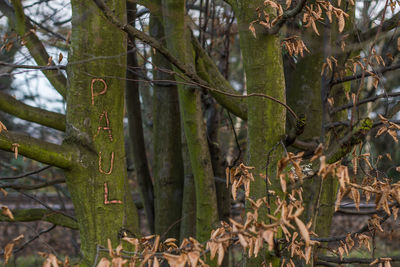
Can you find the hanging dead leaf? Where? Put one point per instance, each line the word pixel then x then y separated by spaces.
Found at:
pixel 398 43
pixel 2 127
pixel 49 61
pixel 68 37
pixel 14 148
pixel 303 231
pixel 252 29
pixel 51 261
pixel 118 262
pixel 8 250
pixel 104 262
pixel 60 58
pixel 7 212
pixel 5 193
pixel 175 260
pixel 193 258
pixel 341 22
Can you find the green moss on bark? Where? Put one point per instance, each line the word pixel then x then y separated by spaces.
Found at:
pixel 168 162
pixel 263 67
pixel 178 41
pixel 95 38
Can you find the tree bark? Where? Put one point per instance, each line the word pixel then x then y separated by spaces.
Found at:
pixel 262 60
pixel 136 128
pixel 178 42
pixel 168 162
pixel 95 109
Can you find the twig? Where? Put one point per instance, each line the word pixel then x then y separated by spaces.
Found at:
pixel 356 260
pixel 45 205
pixel 26 174
pixel 364 101
pixel 31 67
pixel 31 240
pixel 364 229
pixel 367 74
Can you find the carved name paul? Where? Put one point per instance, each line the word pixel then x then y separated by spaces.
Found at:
pixel 103 119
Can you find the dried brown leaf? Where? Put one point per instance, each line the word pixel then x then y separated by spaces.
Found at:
pixel 7 212
pixel 5 193
pixel 104 262
pixel 341 22
pixel 175 260
pixel 252 29
pixel 303 231
pixel 2 127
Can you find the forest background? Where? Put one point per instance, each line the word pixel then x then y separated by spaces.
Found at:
pixel 270 116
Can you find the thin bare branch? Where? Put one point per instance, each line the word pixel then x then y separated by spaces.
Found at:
pixel 25 174
pixel 364 101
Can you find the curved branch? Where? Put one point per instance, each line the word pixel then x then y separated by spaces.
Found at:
pixel 211 73
pixel 45 152
pixel 34 45
pixel 23 111
pixel 30 215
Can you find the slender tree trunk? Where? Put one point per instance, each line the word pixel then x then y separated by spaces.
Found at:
pixel 328 188
pixel 168 163
pixel 178 42
pixel 98 182
pixel 136 128
pixel 188 224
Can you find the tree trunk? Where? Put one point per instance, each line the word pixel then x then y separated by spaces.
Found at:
pixel 262 60
pixel 168 163
pixel 136 128
pixel 98 182
pixel 178 41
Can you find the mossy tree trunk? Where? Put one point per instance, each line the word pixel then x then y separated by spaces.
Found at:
pixel 307 93
pixel 304 87
pixel 92 154
pixel 262 60
pixel 168 162
pixel 179 44
pixel 95 110
pixel 136 135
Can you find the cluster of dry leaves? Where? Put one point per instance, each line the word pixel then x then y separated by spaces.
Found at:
pixel 315 13
pixel 251 236
pixel 388 127
pixel 295 46
pixel 284 216
pixel 272 223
